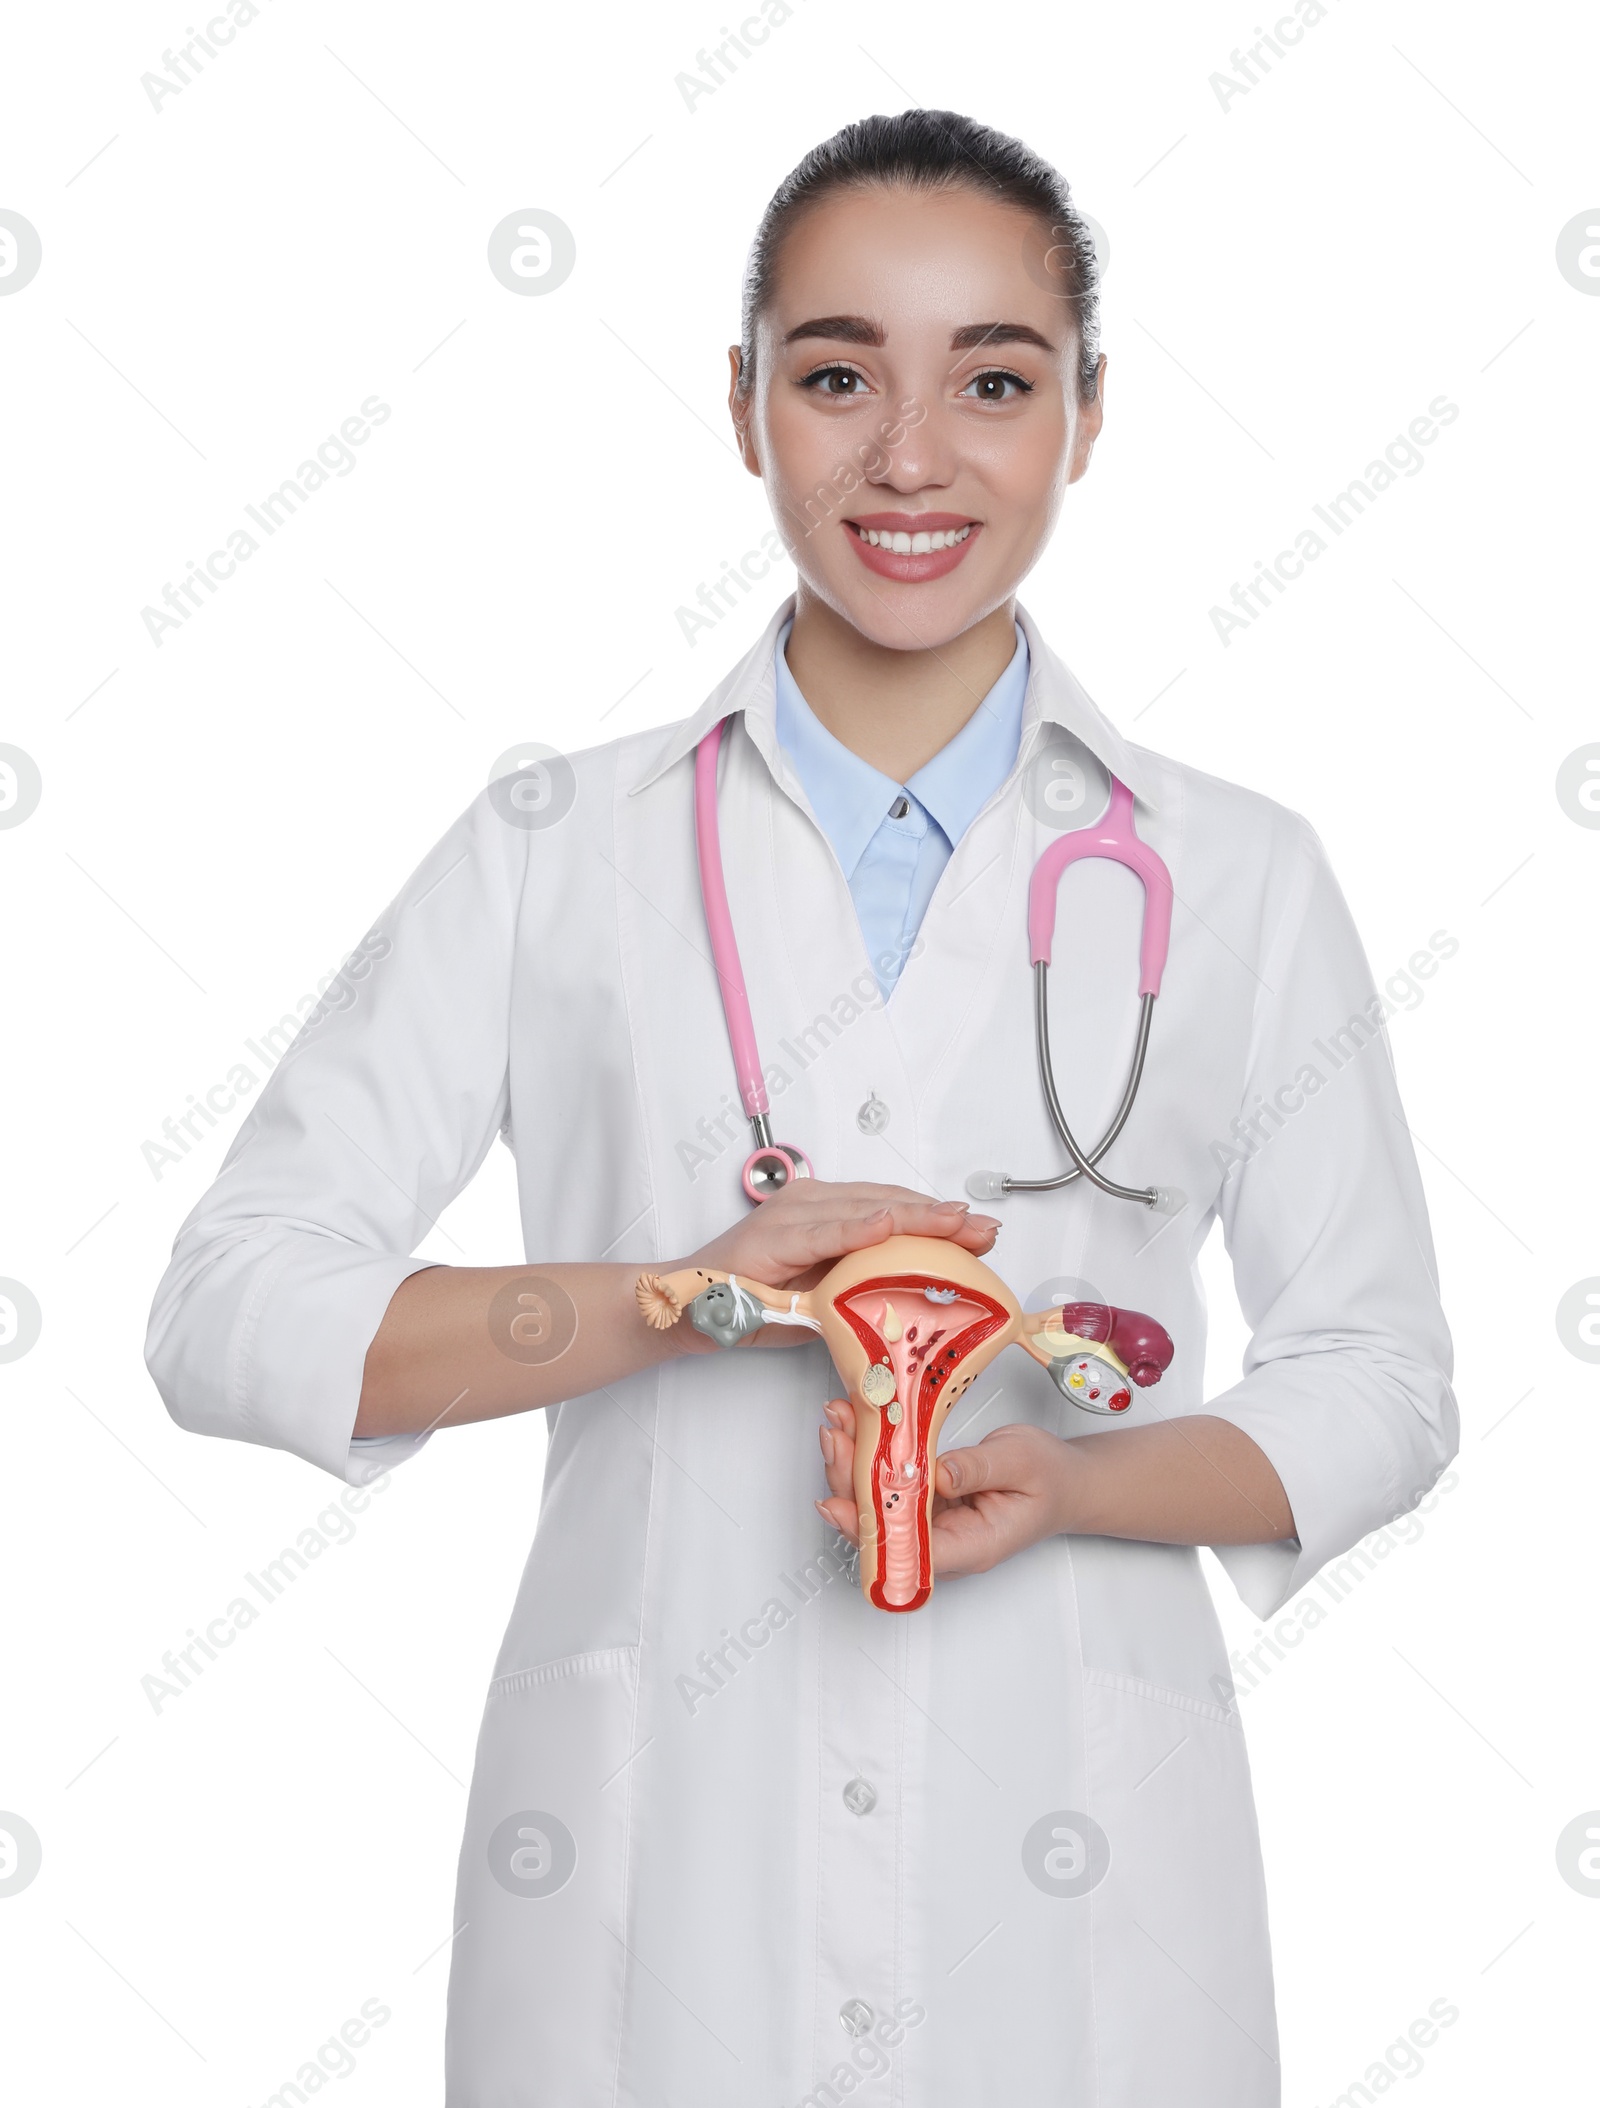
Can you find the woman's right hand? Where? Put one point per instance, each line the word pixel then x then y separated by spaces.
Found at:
pixel 793 1239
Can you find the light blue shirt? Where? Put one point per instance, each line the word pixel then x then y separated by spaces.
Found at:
pixel 894 839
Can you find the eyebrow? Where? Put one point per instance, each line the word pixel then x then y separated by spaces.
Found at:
pixel 843 329
pixel 861 329
pixel 979 333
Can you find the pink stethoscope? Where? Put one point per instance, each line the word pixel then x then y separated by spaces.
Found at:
pixel 771 1165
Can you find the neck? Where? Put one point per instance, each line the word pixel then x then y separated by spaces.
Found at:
pixel 896 709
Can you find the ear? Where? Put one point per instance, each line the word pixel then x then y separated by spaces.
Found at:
pixel 1090 418
pixel 739 409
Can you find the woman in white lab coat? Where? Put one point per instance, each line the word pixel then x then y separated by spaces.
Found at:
pixel 735 1835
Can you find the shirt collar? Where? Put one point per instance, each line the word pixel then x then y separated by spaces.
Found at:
pixel 849 797
pixel 965 773
pixel 1054 696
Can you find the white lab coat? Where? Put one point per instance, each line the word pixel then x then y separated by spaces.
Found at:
pixel 689 1682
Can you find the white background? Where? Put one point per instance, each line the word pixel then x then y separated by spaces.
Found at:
pixel 1291 281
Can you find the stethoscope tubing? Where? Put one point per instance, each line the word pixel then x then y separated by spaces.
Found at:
pixel 1114 837
pixel 1083 1162
pixel 724 944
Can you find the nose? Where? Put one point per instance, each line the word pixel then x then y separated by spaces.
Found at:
pixel 926 457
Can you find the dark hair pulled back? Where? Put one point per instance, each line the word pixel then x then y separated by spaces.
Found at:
pixel 932 150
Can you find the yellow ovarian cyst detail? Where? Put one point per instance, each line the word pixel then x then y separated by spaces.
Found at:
pixel 892 1327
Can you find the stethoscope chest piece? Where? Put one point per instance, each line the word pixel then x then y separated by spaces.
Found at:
pixel 769 1169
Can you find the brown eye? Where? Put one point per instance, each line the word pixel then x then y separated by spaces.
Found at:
pixel 997 386
pixel 841 382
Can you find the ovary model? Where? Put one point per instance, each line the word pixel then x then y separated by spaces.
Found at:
pixel 911 1324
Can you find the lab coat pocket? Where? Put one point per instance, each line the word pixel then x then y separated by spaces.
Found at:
pixel 537 1974
pixel 1182 1968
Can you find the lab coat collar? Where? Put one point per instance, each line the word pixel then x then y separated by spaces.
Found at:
pixel 1055 696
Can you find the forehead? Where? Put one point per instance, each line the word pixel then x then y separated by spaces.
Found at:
pixel 917 261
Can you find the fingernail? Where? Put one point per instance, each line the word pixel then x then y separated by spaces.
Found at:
pixel 822 1511
pixel 827 1444
pixel 960 1205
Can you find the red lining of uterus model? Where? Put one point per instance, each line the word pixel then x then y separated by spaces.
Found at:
pixel 911 1323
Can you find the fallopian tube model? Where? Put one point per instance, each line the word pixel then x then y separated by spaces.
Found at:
pixel 911 1323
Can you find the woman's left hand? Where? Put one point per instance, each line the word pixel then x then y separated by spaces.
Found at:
pixel 990 1501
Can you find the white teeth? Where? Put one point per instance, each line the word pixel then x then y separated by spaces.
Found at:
pixel 919 544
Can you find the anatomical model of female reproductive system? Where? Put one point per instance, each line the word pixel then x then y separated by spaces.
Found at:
pixel 911 1323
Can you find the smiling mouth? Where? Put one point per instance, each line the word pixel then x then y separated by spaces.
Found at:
pixel 913 548
pixel 900 543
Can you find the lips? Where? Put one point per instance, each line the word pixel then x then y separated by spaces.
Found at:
pixel 902 543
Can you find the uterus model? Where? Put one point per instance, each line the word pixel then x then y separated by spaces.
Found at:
pixel 911 1324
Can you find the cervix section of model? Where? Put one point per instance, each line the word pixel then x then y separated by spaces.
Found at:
pixel 911 1323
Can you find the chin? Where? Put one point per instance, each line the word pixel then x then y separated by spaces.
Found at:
pixel 909 617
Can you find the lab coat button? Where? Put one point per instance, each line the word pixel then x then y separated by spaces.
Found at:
pixel 855 2016
pixel 873 1117
pixel 860 1797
